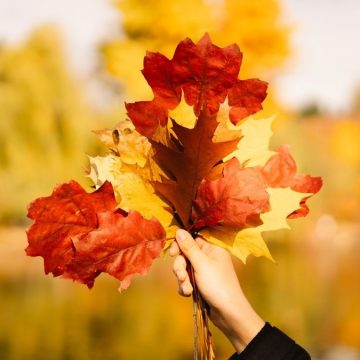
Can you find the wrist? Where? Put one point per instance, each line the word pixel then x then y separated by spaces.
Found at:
pixel 239 322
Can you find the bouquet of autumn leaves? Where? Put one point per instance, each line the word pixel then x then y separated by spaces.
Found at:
pixel 192 158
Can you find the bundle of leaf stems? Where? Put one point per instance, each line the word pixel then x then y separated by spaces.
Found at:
pixel 203 341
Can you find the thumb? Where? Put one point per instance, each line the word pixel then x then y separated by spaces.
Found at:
pixel 189 247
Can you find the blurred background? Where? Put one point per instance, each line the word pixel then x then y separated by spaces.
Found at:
pixel 66 68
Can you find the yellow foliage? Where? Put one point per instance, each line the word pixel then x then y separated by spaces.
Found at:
pixel 253 148
pixel 130 168
pixel 136 194
pixel 256 26
pixel 132 191
pixel 125 140
pixel 133 151
pixel 159 25
pixel 344 143
pixel 103 168
pixel 183 114
pixel 166 20
pixel 283 201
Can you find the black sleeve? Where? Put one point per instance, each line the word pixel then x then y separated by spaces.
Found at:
pixel 272 344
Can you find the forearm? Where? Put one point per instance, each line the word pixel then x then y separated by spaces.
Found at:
pixel 238 321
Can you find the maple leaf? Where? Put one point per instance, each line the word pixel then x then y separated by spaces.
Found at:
pixel 130 151
pixel 205 74
pixel 67 212
pixel 245 98
pixel 121 246
pixel 124 141
pixel 189 162
pixel 130 168
pixel 288 190
pixel 242 243
pixel 103 168
pixel 281 171
pixel 188 158
pixel 236 199
pixel 253 149
pixel 82 234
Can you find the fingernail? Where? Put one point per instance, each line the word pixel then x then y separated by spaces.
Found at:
pixel 181 235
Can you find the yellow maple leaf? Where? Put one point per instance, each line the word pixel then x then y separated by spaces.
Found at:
pixel 283 201
pixel 183 114
pixel 137 194
pixel 133 192
pixel 126 142
pixel 253 148
pixel 133 150
pixel 226 130
pixel 130 168
pixel 103 168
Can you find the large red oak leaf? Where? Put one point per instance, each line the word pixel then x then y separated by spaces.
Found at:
pixel 281 171
pixel 206 74
pixel 236 199
pixel 158 72
pixel 82 234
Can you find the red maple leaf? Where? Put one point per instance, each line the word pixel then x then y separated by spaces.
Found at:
pixel 281 171
pixel 82 234
pixel 188 162
pixel 245 98
pixel 206 74
pixel 236 199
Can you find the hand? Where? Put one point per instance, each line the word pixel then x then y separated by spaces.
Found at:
pixel 218 284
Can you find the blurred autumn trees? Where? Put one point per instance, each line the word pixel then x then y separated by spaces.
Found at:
pixel 44 122
pixel 158 25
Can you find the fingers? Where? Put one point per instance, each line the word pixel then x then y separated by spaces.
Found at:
pixel 185 287
pixel 184 283
pixel 179 267
pixel 174 249
pixel 190 248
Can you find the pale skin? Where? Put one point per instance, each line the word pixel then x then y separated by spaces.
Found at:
pixel 217 281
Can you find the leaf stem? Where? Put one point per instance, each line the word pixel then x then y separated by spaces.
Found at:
pixel 203 344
